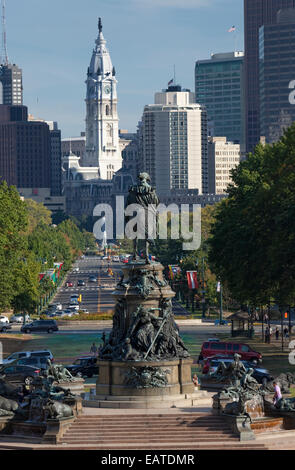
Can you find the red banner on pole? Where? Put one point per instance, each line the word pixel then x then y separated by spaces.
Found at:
pixel 192 279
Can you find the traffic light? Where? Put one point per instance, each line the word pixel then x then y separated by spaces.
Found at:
pixel 286 315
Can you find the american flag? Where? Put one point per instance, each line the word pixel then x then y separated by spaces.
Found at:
pixel 232 29
pixel 171 81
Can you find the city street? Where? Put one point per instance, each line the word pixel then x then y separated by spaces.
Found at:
pixel 96 296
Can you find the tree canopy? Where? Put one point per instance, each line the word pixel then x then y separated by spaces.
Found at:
pixel 252 244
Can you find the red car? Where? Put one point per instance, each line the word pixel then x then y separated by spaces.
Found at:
pixel 69 284
pixel 214 348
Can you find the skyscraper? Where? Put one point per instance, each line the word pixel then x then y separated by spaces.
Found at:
pixel 256 14
pixel 25 157
pixel 102 130
pixel 277 75
pixel 219 86
pixel 11 86
pixel 174 137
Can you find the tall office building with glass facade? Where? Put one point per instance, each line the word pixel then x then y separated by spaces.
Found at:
pixel 257 13
pixel 277 75
pixel 219 86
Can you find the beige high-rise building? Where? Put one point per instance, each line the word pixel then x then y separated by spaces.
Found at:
pixel 174 140
pixel 223 156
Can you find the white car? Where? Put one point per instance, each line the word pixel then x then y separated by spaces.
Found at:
pixel 4 319
pixel 19 318
pixel 76 270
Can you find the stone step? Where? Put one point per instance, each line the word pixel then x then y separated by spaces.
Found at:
pixel 151 418
pixel 145 439
pixel 162 446
pixel 152 432
pixel 158 429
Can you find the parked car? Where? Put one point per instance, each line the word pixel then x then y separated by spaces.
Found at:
pixel 19 318
pixel 46 353
pixel 84 310
pixel 210 364
pixel 116 259
pixel 260 374
pixel 213 348
pixel 19 374
pixel 40 325
pixel 4 327
pixel 84 366
pixel 69 284
pixel 4 319
pixel 33 361
pixel 81 283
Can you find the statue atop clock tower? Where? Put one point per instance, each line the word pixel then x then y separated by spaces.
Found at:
pixel 102 123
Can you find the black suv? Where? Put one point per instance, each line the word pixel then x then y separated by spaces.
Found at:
pixel 84 366
pixel 40 325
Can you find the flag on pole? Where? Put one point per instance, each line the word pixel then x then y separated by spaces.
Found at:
pixel 192 279
pixel 173 271
pixel 232 29
pixel 171 81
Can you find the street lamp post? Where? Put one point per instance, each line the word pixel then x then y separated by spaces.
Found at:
pixel 203 290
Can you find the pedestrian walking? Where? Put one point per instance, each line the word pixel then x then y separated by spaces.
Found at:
pixel 270 333
pixel 277 333
pixel 278 394
pixel 286 332
pixel 93 349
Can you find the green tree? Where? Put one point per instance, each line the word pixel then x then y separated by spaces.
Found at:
pixel 252 247
pixel 13 244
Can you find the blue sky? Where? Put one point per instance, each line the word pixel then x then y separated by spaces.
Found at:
pixel 52 41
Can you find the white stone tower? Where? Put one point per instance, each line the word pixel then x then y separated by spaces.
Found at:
pixel 102 131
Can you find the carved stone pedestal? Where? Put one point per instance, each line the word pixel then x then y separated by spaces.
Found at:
pixel 144 384
pixel 143 381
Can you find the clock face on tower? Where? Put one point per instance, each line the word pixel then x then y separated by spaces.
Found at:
pixel 107 89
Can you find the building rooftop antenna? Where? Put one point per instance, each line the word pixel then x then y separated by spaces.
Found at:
pixel 4 40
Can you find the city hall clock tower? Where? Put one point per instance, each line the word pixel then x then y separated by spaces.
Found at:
pixel 102 123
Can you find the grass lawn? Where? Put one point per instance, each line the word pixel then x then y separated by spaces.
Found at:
pixel 65 347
